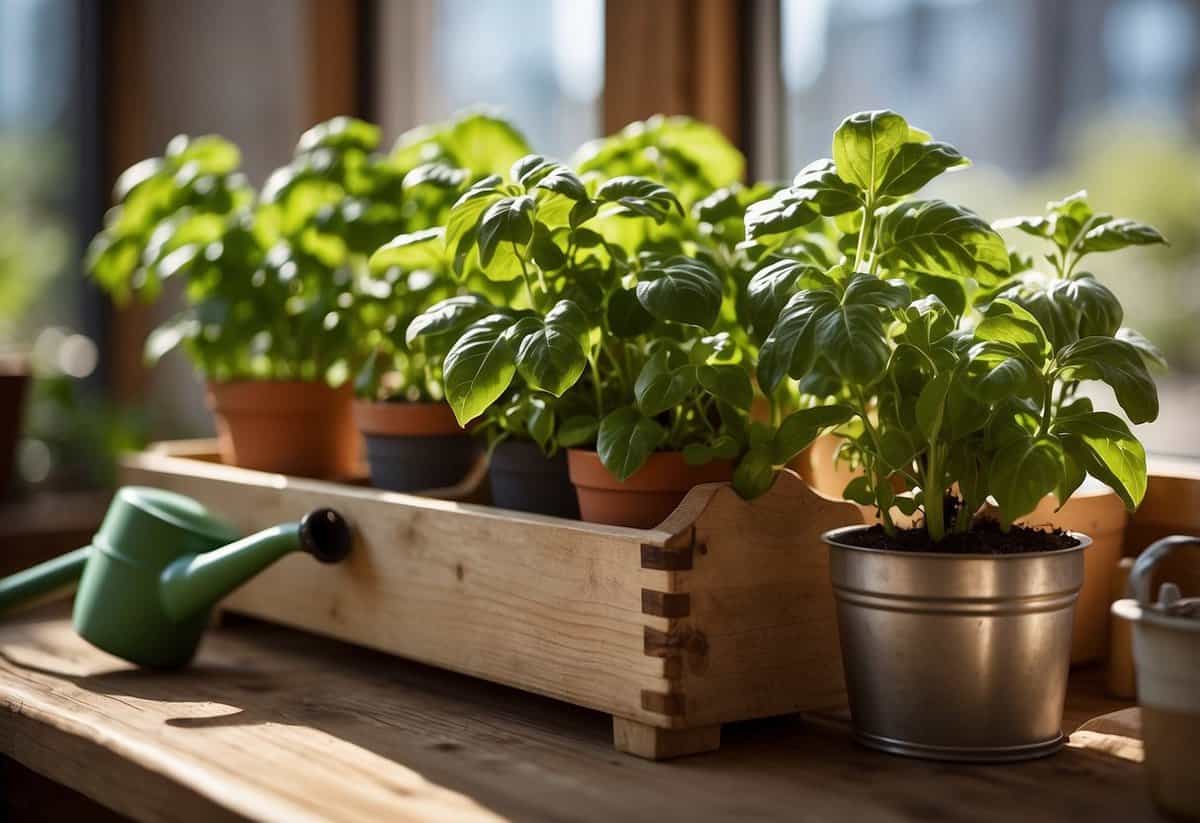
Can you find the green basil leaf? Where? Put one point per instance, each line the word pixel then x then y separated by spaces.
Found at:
pixel 789 348
pixel 771 286
pixel 1118 364
pixel 660 386
pixel 755 473
pixel 578 430
pixel 626 439
pixel 419 250
pixel 1105 448
pixel 915 164
pixel 437 175
pixel 729 383
pixel 340 133
pixel 626 316
pixel 447 317
pixel 509 220
pixel 479 367
pixel 462 227
pixel 484 144
pixel 799 429
pixel 859 491
pixel 1098 309
pixel 1007 322
pixel 1023 472
pixel 940 238
pixel 864 145
pixel 931 405
pixel 541 422
pixel 1151 354
pixel 552 357
pixel 852 339
pixel 639 197
pixel 870 291
pixel 997 371
pixel 561 180
pixel 1036 225
pixel 682 290
pixel 1119 234
pixel 816 190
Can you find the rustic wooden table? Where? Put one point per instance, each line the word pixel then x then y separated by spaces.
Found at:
pixel 273 724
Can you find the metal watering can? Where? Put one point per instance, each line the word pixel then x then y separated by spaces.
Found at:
pixel 158 565
pixel 1166 650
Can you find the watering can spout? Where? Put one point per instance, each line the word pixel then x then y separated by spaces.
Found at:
pixel 192 584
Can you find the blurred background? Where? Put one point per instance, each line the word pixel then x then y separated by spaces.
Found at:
pixel 1047 97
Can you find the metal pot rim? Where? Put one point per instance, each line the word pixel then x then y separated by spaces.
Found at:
pixel 1129 609
pixel 831 537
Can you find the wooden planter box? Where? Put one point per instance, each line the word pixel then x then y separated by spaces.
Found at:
pixel 724 612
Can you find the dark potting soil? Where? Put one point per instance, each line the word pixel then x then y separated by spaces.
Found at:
pixel 985 537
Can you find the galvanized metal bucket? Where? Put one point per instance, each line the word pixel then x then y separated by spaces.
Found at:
pixel 953 656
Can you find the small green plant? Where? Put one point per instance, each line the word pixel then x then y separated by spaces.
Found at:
pixel 937 398
pixel 619 334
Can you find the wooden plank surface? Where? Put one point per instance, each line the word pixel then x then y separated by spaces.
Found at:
pixel 277 725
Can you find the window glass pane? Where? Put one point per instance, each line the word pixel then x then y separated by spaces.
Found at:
pixel 38 141
pixel 1046 98
pixel 541 62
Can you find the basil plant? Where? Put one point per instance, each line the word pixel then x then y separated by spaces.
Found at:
pixel 408 274
pixel 949 369
pixel 267 277
pixel 620 331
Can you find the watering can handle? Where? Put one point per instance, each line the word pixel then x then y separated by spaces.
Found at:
pixel 1139 578
pixel 43 579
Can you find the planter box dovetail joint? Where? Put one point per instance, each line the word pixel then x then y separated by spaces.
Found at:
pixel 723 612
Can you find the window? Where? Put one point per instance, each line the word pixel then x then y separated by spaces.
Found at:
pixel 1047 98
pixel 541 62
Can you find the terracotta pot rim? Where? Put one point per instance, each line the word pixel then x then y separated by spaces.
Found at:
pixel 406 419
pixel 277 398
pixel 664 471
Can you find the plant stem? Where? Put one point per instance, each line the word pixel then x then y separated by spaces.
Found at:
pixel 862 238
pixel 885 516
pixel 935 515
pixel 599 394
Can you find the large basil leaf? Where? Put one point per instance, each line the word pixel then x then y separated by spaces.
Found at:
pixel 755 473
pixel 682 290
pixel 1118 234
pixel 864 145
pixel 419 250
pixel 1151 354
pixel 1117 363
pixel 727 382
pixel 462 227
pixel 626 439
pixel 479 367
pixel 484 143
pixel 447 317
pixel 817 190
pixel 1023 472
pixel 626 317
pixel 662 384
pixel 799 429
pixel 770 288
pixel 867 290
pixel 552 355
pixel 788 349
pixel 1104 447
pixel 509 220
pixel 915 164
pixel 997 371
pixel 1099 310
pixel 940 238
pixel 1007 322
pixel 639 197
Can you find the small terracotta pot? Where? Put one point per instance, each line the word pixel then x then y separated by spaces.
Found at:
pixel 414 446
pixel 14 385
pixel 645 499
pixel 294 427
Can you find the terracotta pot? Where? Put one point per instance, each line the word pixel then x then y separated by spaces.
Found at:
pixel 643 500
pixel 288 426
pixel 1098 512
pixel 414 446
pixel 14 385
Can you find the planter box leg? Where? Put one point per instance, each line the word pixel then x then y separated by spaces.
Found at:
pixel 654 743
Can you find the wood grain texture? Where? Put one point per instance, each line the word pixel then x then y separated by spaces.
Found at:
pixel 273 724
pixel 724 612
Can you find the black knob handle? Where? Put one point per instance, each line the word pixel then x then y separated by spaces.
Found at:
pixel 325 535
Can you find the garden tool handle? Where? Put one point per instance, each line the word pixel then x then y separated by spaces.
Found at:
pixel 43 579
pixel 1143 567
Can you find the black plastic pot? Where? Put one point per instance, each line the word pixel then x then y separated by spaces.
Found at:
pixel 524 479
pixel 408 463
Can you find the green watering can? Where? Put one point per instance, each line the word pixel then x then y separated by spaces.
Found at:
pixel 158 565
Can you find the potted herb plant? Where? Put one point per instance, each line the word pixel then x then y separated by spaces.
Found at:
pixel 612 349
pixel 1070 303
pixel 413 439
pixel 955 631
pixel 268 283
